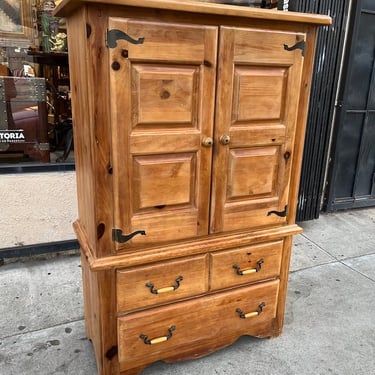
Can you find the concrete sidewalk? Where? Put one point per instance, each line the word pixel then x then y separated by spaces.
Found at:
pixel 329 324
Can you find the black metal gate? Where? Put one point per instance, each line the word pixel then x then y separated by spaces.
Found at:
pixel 322 101
pixel 352 173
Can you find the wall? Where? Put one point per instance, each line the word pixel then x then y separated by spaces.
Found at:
pixel 37 208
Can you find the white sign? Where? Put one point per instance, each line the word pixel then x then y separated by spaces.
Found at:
pixel 12 136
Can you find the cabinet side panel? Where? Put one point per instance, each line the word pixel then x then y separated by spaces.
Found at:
pixel 284 275
pixel 83 139
pixel 91 127
pixel 301 120
pixel 107 315
pixel 99 301
pixel 90 293
pixel 99 109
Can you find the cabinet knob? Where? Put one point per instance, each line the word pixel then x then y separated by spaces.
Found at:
pixel 207 142
pixel 225 139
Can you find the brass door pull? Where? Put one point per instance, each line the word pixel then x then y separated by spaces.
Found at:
pixel 166 289
pixel 250 270
pixel 225 139
pixel 258 311
pixel 157 340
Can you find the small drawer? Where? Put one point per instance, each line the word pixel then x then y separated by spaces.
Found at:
pixel 245 265
pixel 196 326
pixel 160 283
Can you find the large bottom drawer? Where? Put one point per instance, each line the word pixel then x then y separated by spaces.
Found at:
pixel 196 327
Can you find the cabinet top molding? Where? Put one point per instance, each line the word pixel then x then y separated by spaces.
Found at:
pixel 67 7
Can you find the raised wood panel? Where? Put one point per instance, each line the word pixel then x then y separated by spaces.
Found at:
pixel 163 181
pixel 164 88
pixel 133 293
pixel 198 324
pixel 165 95
pixel 224 275
pixel 259 93
pixel 257 108
pixel 253 172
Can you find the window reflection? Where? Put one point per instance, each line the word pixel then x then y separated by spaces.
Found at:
pixel 35 106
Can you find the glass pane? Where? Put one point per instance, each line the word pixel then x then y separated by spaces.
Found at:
pixel 35 109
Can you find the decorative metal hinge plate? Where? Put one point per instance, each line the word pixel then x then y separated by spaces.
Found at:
pixel 114 35
pixel 299 45
pixel 117 235
pixel 279 213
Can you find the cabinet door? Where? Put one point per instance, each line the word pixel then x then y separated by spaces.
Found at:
pixel 258 91
pixel 162 86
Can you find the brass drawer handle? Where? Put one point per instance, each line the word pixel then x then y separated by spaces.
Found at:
pixel 157 340
pixel 250 270
pixel 166 289
pixel 251 314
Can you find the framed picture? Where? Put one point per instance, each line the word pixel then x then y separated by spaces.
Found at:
pixel 15 21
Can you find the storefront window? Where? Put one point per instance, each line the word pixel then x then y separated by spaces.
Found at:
pixel 35 107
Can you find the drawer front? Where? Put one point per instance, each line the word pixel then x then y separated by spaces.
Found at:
pixel 196 326
pixel 246 264
pixel 161 283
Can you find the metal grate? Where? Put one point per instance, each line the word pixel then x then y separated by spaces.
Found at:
pixel 322 101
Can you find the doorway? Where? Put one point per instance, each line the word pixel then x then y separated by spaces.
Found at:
pixel 351 178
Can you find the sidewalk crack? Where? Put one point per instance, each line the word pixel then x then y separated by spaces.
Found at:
pixel 341 261
pixel 41 329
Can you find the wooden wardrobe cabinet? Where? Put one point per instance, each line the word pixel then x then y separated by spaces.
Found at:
pixel 189 123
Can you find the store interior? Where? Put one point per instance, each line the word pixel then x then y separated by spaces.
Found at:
pixel 35 107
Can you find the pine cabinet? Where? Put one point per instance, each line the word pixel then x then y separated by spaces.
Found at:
pixel 189 121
